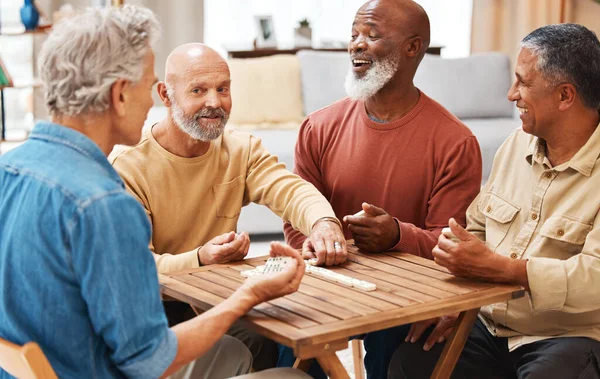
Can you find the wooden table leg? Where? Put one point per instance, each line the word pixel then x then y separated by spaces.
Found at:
pixel 357 357
pixel 303 364
pixel 330 363
pixel 454 345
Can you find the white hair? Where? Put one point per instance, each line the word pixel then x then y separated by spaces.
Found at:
pixel 377 76
pixel 191 125
pixel 85 54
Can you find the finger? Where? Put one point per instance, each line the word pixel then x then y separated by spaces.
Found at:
pixel 440 256
pixel 411 331
pixel 447 244
pixel 359 220
pixel 360 230
pixel 319 250
pixel 341 252
pixel 223 238
pixel 459 231
pixel 296 271
pixel 436 334
pixel 307 250
pixel 330 259
pixel 308 255
pixel 420 327
pixel 372 210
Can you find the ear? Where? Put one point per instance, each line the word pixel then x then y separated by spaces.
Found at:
pixel 413 46
pixel 568 94
pixel 118 96
pixel 161 88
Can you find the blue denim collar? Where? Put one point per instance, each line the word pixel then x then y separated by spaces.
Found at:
pixel 58 134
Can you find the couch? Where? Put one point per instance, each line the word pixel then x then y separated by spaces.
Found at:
pixel 272 95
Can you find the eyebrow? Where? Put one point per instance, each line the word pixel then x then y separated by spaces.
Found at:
pixel 202 84
pixel 519 77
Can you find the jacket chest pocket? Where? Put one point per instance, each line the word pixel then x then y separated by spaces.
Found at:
pixel 229 197
pixel 499 216
pixel 563 236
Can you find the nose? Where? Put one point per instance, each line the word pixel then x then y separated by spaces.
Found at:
pixel 357 46
pixel 212 100
pixel 513 92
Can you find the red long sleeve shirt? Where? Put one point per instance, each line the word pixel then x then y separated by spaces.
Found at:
pixel 423 168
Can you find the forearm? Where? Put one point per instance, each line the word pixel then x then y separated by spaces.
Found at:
pixel 166 263
pixel 507 270
pixel 416 241
pixel 293 237
pixel 198 335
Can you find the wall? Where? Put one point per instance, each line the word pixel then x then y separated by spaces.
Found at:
pixel 231 22
pixel 587 12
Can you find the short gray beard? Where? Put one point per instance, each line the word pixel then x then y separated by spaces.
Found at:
pixel 376 77
pixel 191 126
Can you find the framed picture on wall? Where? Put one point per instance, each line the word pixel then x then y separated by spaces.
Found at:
pixel 265 31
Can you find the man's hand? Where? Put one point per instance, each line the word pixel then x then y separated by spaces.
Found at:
pixel 441 331
pixel 227 247
pixel 374 232
pixel 274 285
pixel 327 243
pixel 471 258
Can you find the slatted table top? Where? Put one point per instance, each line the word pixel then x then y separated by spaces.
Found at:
pixel 322 315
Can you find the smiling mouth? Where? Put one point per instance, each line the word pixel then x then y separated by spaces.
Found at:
pixel 523 110
pixel 358 63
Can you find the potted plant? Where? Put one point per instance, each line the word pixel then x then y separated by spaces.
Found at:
pixel 303 34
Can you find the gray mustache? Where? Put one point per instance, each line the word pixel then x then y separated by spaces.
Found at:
pixel 211 112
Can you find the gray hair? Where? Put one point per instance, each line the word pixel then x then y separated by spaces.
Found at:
pixel 85 54
pixel 568 53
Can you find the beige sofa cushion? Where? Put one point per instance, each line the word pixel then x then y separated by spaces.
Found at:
pixel 266 92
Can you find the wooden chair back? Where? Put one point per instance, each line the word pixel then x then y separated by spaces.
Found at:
pixel 25 362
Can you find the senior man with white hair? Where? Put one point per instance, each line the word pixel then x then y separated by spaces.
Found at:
pixel 76 275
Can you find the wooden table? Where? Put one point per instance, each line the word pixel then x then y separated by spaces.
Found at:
pixel 319 319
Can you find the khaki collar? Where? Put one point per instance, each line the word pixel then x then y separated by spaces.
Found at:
pixel 583 161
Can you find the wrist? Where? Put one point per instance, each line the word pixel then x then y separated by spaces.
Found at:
pixel 199 254
pixel 331 220
pixel 517 272
pixel 245 298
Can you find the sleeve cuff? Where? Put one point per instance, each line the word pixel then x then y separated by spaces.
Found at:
pixel 405 235
pixel 547 284
pixel 166 263
pixel 156 364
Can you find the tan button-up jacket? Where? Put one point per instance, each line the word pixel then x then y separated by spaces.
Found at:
pixel 548 215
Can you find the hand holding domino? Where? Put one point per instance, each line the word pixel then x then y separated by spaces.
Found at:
pixel 447 232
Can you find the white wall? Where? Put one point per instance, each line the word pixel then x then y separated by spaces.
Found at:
pixel 231 22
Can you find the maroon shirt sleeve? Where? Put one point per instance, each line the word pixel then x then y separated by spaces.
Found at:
pixel 306 159
pixel 457 183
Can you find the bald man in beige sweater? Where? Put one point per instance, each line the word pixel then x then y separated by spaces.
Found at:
pixel 193 177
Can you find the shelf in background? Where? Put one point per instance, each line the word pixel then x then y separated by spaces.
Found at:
pixel 18 31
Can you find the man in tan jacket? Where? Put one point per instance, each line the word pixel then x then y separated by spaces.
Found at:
pixel 535 223
pixel 193 177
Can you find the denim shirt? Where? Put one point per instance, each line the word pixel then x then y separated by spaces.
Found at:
pixel 76 275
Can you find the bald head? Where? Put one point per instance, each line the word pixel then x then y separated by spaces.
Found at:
pixel 190 58
pixel 406 17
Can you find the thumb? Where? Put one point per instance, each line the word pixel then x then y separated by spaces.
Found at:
pixel 459 231
pixel 372 210
pixel 223 238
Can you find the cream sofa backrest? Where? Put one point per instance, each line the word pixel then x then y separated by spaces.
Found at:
pixel 266 93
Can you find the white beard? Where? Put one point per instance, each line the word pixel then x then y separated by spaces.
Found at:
pixel 377 76
pixel 192 127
